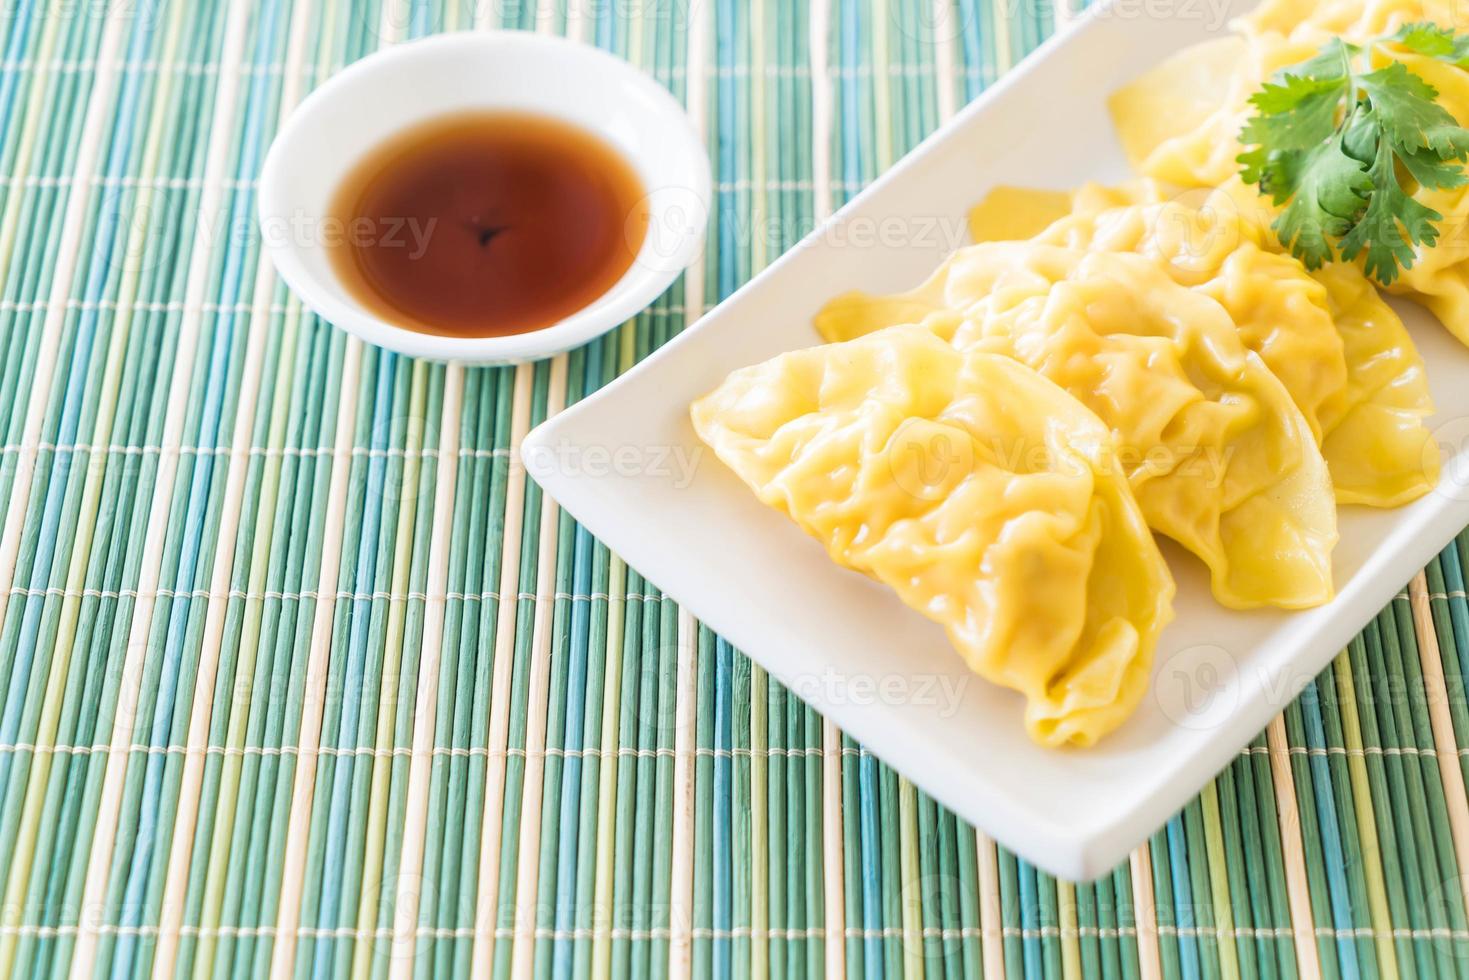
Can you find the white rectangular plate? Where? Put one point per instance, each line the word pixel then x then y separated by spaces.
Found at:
pixel 616 461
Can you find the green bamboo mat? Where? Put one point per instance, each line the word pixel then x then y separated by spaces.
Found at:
pixel 301 676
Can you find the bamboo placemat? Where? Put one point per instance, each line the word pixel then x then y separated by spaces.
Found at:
pixel 300 675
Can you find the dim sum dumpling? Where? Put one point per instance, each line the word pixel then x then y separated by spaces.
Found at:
pixel 1342 353
pixel 1220 458
pixel 986 497
pixel 1439 276
pixel 1381 452
pixel 1279 310
pixel 1180 122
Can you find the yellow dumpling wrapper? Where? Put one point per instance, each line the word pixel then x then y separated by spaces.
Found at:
pixel 1380 451
pixel 1279 310
pixel 1343 354
pixel 1354 21
pixel 1220 458
pixel 1014 213
pixel 1180 121
pixel 985 496
pixel 1439 276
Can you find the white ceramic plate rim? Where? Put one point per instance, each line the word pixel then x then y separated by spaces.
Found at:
pixel 1090 839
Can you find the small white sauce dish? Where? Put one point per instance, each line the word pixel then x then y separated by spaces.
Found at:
pixel 391 91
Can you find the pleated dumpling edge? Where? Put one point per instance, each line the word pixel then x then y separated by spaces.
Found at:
pixel 1343 354
pixel 986 497
pixel 1218 454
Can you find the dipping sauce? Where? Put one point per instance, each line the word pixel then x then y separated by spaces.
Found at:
pixel 487 223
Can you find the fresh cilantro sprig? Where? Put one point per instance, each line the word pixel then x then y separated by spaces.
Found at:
pixel 1435 42
pixel 1330 138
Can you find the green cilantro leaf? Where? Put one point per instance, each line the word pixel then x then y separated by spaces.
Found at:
pixel 1377 233
pixel 1329 190
pixel 1360 136
pixel 1254 168
pixel 1334 61
pixel 1433 41
pixel 1432 171
pixel 1329 139
pixel 1404 103
pixel 1297 113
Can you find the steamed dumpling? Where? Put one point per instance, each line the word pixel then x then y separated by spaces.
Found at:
pixel 1342 353
pixel 1280 311
pixel 1381 452
pixel 1220 458
pixel 986 497
pixel 1180 122
pixel 1439 277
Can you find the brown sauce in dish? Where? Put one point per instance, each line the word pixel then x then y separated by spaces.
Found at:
pixel 487 223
